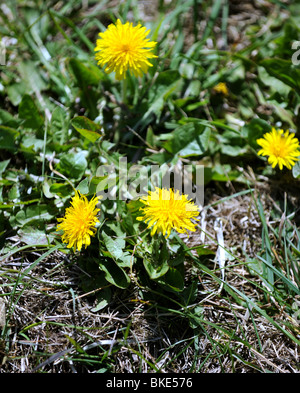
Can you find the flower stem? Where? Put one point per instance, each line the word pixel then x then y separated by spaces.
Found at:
pixel 124 91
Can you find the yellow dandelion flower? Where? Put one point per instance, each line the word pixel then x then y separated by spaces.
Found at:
pixel 166 210
pixel 79 221
pixel 221 88
pixel 281 147
pixel 123 47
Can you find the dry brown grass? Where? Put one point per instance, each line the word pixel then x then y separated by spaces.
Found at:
pixel 132 335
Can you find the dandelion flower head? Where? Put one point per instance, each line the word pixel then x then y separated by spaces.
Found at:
pixel 165 210
pixel 281 147
pixel 124 47
pixel 79 221
pixel 221 88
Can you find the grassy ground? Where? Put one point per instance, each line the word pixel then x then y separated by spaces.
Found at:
pixel 91 311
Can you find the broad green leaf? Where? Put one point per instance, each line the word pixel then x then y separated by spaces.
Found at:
pixel 255 129
pixel 285 114
pixel 61 189
pixel 189 294
pixel 178 259
pixel 96 184
pixel 284 70
pixel 203 250
pixel 7 138
pixel 126 259
pixel 31 76
pixel 189 139
pixel 114 245
pixel 83 186
pixel 46 188
pixel 14 192
pixel 34 213
pixel 165 84
pixel 33 235
pixel 87 128
pixel 155 269
pixel 157 264
pixel 114 273
pixel 85 74
pixel 8 120
pixel 289 34
pixel 220 173
pixel 59 125
pixel 273 83
pixel 29 112
pixel 30 142
pixel 198 146
pixel 16 91
pixel 296 169
pixel 73 165
pixel 150 137
pixel 233 150
pixel 3 165
pixel 95 279
pixel 86 78
pixel 173 279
